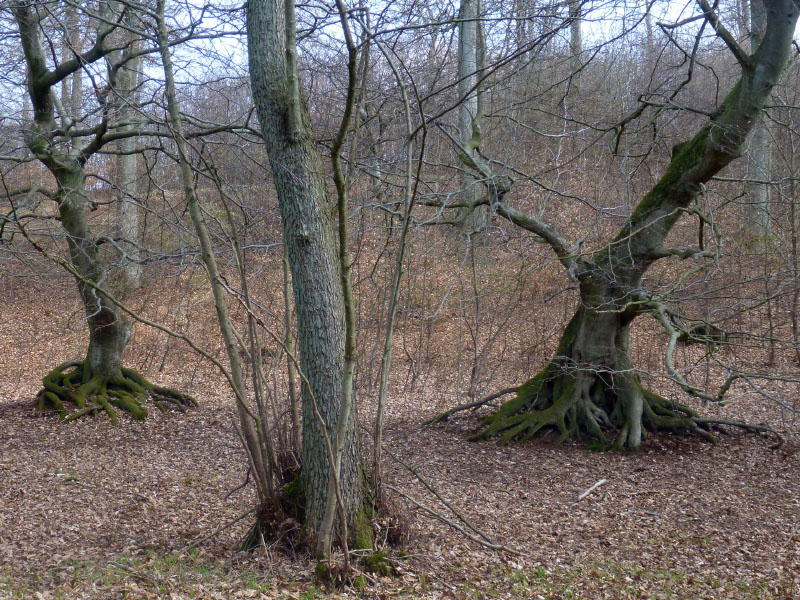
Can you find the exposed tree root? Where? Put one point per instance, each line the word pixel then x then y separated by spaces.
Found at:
pixel 469 406
pixel 608 408
pixel 91 393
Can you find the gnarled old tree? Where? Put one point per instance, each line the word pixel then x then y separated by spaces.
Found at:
pixel 64 143
pixel 320 277
pixel 590 389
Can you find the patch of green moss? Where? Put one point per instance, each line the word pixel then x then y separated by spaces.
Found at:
pixel 360 583
pixel 362 528
pixel 39 146
pixel 378 563
pixel 294 499
pixel 323 571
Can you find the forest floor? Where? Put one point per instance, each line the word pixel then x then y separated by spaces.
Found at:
pixel 89 510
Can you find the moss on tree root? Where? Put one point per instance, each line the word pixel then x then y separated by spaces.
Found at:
pixel 608 409
pixel 73 384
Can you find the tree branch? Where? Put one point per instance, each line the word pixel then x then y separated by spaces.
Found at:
pixel 726 36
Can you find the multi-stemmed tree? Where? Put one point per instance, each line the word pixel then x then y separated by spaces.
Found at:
pixel 331 477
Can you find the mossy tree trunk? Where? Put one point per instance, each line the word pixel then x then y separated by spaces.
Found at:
pixel 309 237
pixel 109 331
pixel 99 382
pixel 590 389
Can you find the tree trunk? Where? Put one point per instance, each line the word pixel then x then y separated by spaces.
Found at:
pixel 520 25
pixel 575 39
pixel 127 176
pixel 128 217
pixel 650 46
pixel 590 387
pixel 72 87
pixel 309 237
pixel 470 59
pixel 109 331
pixel 99 382
pixel 759 158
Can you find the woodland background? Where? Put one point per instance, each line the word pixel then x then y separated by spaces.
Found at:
pixel 584 126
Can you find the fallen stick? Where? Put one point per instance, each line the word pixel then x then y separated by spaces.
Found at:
pixel 591 489
pixel 453 524
pixel 470 406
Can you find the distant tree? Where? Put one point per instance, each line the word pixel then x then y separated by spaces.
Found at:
pixel 759 156
pixel 471 50
pixel 129 74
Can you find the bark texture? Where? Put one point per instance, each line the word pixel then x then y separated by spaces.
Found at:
pixel 470 61
pixel 759 157
pixel 309 236
pixel 125 91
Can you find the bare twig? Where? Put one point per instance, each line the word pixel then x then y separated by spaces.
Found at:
pixel 243 484
pixel 216 532
pixel 591 489
pixel 725 35
pixel 452 523
pixel 433 491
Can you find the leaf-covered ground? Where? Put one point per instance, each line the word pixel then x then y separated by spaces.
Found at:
pixel 88 510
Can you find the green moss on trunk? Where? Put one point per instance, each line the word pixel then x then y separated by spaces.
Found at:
pixel 362 528
pixel 590 393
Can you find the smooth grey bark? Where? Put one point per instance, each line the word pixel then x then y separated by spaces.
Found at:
pixel 309 236
pixel 575 38
pixel 590 387
pixel 759 171
pixel 743 22
pixel 470 61
pixel 650 50
pixel 521 25
pixel 759 156
pixel 127 206
pixel 72 87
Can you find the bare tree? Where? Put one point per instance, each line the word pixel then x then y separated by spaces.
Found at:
pixel 590 388
pixel 64 143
